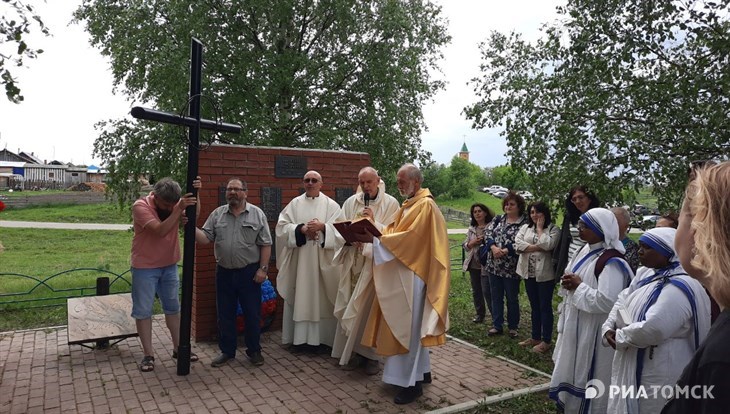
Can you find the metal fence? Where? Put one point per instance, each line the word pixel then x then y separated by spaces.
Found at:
pixel 41 292
pixel 456 215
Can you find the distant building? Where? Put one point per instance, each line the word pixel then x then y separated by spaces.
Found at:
pixel 464 153
pixel 26 171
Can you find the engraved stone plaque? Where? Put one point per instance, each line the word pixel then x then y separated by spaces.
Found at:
pixel 342 194
pixel 222 195
pixel 271 202
pixel 287 166
pixel 95 318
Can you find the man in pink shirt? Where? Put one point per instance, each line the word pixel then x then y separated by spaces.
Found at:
pixel 155 253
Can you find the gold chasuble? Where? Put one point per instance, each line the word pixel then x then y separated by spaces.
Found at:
pixel 419 240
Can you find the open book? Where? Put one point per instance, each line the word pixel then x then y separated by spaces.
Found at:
pixel 348 229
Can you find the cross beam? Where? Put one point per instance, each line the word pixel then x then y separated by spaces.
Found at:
pixel 194 123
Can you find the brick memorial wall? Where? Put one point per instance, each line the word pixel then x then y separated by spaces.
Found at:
pixel 274 177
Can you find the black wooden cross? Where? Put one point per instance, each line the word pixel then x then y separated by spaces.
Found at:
pixel 194 124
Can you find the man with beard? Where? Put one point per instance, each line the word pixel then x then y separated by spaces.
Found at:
pixel 306 242
pixel 411 274
pixel 155 253
pixel 242 250
pixel 356 290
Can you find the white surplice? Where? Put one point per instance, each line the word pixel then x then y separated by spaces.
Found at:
pixel 308 278
pixel 404 370
pixel 356 290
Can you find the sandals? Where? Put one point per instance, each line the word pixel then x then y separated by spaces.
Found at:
pixel 513 333
pixel 541 348
pixel 147 364
pixel 529 342
pixel 193 357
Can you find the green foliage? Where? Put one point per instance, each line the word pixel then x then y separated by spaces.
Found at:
pixel 514 178
pixel 616 94
pixel 18 19
pixel 335 74
pixel 462 178
pixel 435 178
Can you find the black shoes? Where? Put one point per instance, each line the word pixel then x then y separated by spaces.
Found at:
pixel 408 394
pixel 478 319
pixel 426 378
pixel 256 358
pixel 220 360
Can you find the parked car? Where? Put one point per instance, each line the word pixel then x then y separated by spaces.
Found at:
pixel 500 194
pixel 526 195
pixel 495 188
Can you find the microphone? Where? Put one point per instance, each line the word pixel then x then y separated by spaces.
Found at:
pixel 366 197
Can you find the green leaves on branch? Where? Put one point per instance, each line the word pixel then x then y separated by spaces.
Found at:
pixel 615 94
pixel 334 74
pixel 16 20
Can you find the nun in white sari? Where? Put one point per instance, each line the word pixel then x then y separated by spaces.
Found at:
pixel 591 284
pixel 668 316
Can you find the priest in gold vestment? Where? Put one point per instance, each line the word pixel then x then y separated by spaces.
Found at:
pixel 411 275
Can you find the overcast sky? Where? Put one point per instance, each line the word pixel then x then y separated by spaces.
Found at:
pixel 68 88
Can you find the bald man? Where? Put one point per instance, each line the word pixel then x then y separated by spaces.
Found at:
pixel 306 242
pixel 356 291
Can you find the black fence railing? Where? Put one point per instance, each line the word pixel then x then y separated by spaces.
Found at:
pixel 19 291
pixel 24 291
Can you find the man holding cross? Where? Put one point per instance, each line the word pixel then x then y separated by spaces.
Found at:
pixel 155 253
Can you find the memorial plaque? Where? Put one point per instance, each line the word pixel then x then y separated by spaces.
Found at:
pixel 271 202
pixel 95 318
pixel 342 194
pixel 287 166
pixel 222 196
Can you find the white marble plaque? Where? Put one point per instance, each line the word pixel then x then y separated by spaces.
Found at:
pixel 95 318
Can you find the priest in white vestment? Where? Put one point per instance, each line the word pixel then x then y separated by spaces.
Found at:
pixel 667 317
pixel 306 242
pixel 580 358
pixel 356 290
pixel 411 275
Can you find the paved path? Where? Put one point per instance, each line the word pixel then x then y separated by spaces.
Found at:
pixel 41 373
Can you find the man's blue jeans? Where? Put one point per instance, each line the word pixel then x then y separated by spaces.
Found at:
pixel 501 287
pixel 237 286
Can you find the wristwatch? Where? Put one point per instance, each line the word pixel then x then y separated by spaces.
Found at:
pixel 264 268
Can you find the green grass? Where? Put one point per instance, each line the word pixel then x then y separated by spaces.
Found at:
pixel 41 254
pixel 461 312
pixel 106 213
pixel 463 204
pixel 19 194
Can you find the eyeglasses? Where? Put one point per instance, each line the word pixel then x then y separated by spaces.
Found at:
pixel 311 180
pixel 581 225
pixel 235 190
pixel 578 198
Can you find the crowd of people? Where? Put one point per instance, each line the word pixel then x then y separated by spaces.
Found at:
pixel 633 318
pixel 630 314
pixel 381 296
